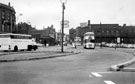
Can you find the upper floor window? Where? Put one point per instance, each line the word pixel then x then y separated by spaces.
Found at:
pixel 8 15
pixel 102 31
pixel 3 14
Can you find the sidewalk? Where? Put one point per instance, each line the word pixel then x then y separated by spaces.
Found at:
pixel 41 53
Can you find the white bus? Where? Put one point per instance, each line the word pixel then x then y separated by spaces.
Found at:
pixel 77 41
pixel 89 40
pixel 10 41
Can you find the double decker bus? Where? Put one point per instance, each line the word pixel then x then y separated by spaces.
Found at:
pixel 89 40
pixel 15 42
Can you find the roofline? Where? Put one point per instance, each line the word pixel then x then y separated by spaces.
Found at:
pixel 7 6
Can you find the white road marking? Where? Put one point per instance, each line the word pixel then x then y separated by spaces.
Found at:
pixel 109 82
pixel 96 74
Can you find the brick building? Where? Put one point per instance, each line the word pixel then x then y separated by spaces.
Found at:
pixel 23 28
pixel 107 32
pixel 7 18
pixel 47 35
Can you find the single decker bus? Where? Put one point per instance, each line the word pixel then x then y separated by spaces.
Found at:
pixel 15 42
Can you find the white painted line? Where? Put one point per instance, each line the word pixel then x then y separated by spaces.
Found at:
pixel 109 82
pixel 96 74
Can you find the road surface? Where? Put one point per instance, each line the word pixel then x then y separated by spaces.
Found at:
pixel 88 67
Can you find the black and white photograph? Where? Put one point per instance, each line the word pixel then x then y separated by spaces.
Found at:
pixel 67 41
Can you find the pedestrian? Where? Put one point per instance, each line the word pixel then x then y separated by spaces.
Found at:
pixel 45 43
pixel 75 46
pixel 101 45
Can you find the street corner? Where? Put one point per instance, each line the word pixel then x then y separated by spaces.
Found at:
pixel 114 68
pixel 123 66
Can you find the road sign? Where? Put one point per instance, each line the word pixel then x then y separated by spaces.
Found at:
pixel 66 23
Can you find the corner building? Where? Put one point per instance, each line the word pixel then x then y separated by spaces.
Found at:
pixel 7 18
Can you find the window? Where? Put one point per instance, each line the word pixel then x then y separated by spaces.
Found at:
pixel 19 37
pixel 93 41
pixel 3 14
pixel 8 15
pixel 4 36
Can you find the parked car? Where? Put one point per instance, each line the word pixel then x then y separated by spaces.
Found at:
pixel 39 44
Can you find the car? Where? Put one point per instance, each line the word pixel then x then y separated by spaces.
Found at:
pixel 39 44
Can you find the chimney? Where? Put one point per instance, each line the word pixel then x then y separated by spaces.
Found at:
pixel 124 25
pixel 89 25
pixel 9 4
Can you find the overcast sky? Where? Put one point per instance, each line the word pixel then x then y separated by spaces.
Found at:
pixel 47 12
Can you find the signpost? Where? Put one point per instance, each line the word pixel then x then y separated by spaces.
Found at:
pixel 66 24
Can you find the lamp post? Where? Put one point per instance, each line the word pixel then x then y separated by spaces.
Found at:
pixel 17 20
pixel 63 8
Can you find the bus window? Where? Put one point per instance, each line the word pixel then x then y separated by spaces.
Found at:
pixel 93 41
pixel 4 36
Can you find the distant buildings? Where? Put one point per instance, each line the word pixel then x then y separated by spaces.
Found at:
pixel 23 28
pixel 47 35
pixel 7 18
pixel 107 32
pixel 103 32
pixel 8 25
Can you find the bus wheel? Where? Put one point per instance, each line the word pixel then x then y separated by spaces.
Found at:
pixel 15 48
pixel 29 48
pixel 35 47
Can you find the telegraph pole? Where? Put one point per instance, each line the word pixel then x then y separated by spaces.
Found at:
pixel 62 35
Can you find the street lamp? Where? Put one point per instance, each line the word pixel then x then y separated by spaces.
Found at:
pixel 17 18
pixel 63 2
pixel 17 21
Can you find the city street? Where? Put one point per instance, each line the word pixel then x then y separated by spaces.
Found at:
pixel 87 67
pixel 67 42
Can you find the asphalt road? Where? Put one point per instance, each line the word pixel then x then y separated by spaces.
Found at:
pixel 88 67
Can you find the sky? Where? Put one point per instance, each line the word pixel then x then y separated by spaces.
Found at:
pixel 44 13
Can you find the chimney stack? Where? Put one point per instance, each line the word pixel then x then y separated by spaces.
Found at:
pixel 89 25
pixel 9 4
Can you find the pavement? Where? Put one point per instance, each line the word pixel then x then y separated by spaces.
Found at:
pixel 128 66
pixel 41 53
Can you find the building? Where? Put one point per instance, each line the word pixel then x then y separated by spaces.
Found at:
pixel 47 35
pixel 59 37
pixel 73 33
pixel 109 33
pixel 23 28
pixel 7 18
